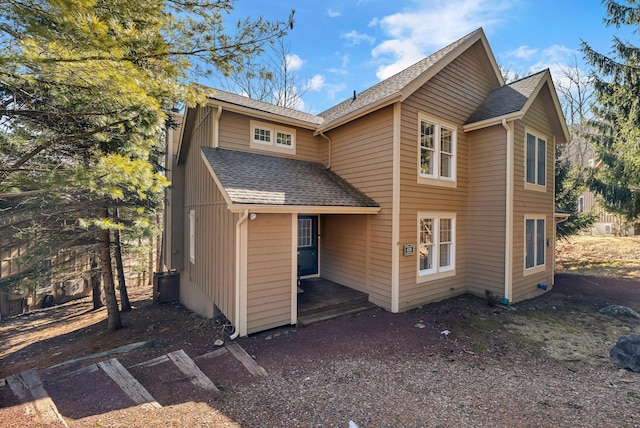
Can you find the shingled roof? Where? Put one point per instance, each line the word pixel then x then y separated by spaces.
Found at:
pixel 247 102
pixel 508 99
pixel 392 85
pixel 250 178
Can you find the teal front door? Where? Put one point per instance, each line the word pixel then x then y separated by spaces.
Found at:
pixel 308 245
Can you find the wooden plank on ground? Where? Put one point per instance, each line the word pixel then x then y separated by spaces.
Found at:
pixel 27 386
pixel 153 362
pixel 189 368
pixel 128 383
pixel 89 369
pixel 246 360
pixel 212 354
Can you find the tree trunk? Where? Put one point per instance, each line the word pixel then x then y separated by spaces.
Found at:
pixel 125 305
pixel 94 278
pixel 113 314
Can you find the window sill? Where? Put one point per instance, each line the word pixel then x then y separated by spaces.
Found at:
pixel 434 276
pixel 534 270
pixel 535 187
pixel 437 182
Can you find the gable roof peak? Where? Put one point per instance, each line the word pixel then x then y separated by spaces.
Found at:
pixel 403 83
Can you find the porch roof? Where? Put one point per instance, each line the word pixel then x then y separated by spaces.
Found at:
pixel 250 180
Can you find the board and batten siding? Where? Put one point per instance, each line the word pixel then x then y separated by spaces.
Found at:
pixel 344 249
pixel 451 96
pixel 362 154
pixel 269 272
pixel 531 201
pixel 235 134
pixel 209 283
pixel 487 205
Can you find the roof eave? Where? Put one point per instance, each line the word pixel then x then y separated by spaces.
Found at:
pixel 261 114
pixel 301 209
pixel 493 121
pixel 362 111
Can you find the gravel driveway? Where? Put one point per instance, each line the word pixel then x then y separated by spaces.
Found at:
pixel 543 362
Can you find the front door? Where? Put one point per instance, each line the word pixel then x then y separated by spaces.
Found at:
pixel 308 245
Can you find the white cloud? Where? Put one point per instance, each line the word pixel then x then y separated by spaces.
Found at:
pixel 415 33
pixel 316 83
pixel 523 52
pixel 345 61
pixel 356 38
pixel 333 13
pixel 294 62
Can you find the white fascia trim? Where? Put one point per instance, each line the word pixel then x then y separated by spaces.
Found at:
pixel 359 113
pixel 302 209
pixel 492 122
pixel 263 115
pixel 395 211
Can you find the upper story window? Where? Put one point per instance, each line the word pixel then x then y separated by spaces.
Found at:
pixel 437 157
pixel 267 136
pixel 536 161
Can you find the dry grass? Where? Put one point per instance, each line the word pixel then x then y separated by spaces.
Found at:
pixel 617 257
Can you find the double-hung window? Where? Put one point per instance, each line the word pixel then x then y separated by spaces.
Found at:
pixel 437 244
pixel 271 137
pixel 535 238
pixel 437 157
pixel 536 161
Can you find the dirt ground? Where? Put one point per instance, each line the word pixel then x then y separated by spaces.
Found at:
pixel 543 362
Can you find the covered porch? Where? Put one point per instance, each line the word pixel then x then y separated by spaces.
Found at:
pixel 320 300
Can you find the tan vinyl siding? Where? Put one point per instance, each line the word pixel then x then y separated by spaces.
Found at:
pixel 214 268
pixel 531 201
pixel 235 134
pixel 451 96
pixel 343 246
pixel 269 272
pixel 487 204
pixel 362 155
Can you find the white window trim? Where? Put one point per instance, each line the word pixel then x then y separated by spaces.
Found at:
pixel 192 236
pixel 535 186
pixel 537 268
pixel 436 272
pixel 435 179
pixel 272 145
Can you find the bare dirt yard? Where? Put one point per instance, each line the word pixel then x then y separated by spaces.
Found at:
pixel 460 362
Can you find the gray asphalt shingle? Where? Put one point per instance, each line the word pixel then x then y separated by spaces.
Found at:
pixel 508 99
pixel 250 178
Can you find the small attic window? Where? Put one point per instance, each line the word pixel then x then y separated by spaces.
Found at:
pixel 271 137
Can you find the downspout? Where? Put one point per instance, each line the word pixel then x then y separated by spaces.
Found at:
pixel 216 128
pixel 330 147
pixel 508 247
pixel 236 323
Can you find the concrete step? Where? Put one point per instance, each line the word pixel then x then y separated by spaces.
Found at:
pixel 335 311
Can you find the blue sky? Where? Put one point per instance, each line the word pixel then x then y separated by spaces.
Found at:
pixel 338 46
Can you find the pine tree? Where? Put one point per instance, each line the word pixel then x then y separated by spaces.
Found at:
pixel 85 88
pixel 615 130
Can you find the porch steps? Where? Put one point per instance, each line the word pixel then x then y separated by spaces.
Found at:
pixel 334 311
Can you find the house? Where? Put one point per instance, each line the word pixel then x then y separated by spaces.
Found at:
pixel 606 222
pixel 435 182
